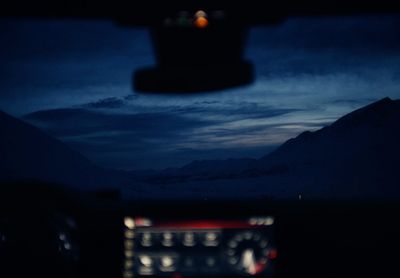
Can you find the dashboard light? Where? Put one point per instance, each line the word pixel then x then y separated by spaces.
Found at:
pixel 128 244
pixel 62 237
pixel 269 221
pixel 201 20
pixel 167 236
pixel 129 234
pixel 188 239
pixel 164 246
pixel 129 254
pixel 147 239
pixel 211 239
pixel 146 261
pixel 167 239
pixel 262 221
pixel 253 221
pixel 67 246
pixel 127 274
pixel 167 261
pixel 128 264
pixel 272 254
pixel 211 236
pixel 129 222
pixel 143 222
pixel 200 14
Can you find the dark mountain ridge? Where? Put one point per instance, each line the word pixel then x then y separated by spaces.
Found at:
pixel 28 153
pixel 359 151
pixel 359 154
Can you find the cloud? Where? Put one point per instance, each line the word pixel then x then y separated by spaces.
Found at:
pixel 120 139
pixel 111 102
pixel 79 121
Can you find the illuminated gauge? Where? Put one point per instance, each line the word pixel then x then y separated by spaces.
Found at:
pixel 66 246
pixel 248 252
pixel 66 242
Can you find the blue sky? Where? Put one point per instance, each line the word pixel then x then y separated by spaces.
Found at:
pixel 73 79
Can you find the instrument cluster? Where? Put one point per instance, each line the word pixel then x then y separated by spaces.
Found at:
pixel 197 247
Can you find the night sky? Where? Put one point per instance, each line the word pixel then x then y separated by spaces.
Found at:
pixel 73 80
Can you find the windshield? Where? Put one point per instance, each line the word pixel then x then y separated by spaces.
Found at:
pixel 70 114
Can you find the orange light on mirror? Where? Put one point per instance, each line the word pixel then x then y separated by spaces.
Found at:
pixel 201 22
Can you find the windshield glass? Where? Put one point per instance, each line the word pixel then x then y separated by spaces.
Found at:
pixel 70 114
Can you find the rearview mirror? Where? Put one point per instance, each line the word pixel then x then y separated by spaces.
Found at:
pixel 196 51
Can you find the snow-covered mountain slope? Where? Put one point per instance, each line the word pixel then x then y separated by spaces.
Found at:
pixel 356 156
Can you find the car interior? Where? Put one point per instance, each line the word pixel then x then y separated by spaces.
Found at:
pixel 51 229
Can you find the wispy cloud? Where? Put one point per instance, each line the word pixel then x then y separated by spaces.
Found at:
pixel 101 131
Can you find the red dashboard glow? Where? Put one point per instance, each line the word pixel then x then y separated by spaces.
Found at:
pixel 200 224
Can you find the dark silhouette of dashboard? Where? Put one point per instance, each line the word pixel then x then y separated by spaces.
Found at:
pixel 47 231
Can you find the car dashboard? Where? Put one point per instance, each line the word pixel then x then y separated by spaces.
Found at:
pixel 54 233
pixel 198 247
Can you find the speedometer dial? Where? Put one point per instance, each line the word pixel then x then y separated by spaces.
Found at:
pixel 248 252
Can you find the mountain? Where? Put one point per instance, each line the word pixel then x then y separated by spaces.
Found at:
pixel 356 156
pixel 28 153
